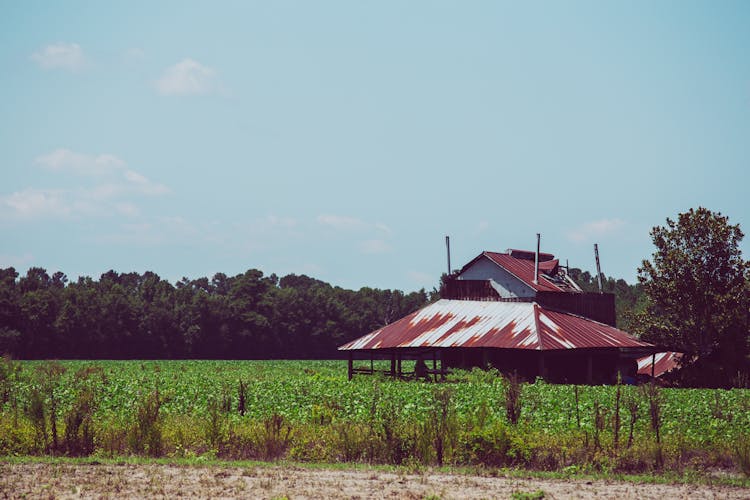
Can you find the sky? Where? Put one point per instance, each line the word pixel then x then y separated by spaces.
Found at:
pixel 345 140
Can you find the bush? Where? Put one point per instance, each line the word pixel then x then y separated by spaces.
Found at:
pixel 79 427
pixel 486 446
pixel 145 434
pixel 274 437
pixel 742 453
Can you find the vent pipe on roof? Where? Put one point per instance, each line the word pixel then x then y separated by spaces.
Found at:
pixel 598 268
pixel 536 260
pixel 448 251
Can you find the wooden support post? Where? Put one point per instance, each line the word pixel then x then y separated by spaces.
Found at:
pixel 393 364
pixel 350 365
pixel 653 365
pixel 541 364
pixel 398 363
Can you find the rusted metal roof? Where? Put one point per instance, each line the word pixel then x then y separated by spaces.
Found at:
pixel 523 268
pixel 665 362
pixel 509 325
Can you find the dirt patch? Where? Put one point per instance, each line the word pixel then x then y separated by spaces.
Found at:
pixel 159 481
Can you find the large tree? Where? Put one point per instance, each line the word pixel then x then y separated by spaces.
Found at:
pixel 696 286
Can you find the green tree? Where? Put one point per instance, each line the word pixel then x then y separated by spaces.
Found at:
pixel 697 296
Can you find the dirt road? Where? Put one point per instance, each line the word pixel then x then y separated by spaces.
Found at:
pixel 159 481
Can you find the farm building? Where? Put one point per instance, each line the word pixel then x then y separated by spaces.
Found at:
pixel 515 311
pixel 659 364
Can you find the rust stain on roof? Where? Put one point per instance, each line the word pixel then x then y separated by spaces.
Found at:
pixel 665 362
pixel 512 325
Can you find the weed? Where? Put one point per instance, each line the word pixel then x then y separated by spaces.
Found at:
pixel 513 398
pixel 242 397
pixel 145 435
pixel 600 422
pixel 79 429
pixel 528 495
pixel 742 453
pixel 631 402
pixel 616 416
pixel 214 424
pixel 653 397
pixel 489 446
pixel 49 375
pixel 37 415
pixel 443 421
pixel 275 437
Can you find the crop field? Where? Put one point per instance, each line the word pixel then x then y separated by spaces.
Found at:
pixel 309 411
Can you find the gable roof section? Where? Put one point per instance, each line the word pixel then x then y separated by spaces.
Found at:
pixel 523 269
pixel 509 325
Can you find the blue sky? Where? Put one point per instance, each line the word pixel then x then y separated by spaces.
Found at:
pixel 344 140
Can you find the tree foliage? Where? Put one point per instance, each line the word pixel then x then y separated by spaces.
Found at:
pixel 135 316
pixel 697 290
pixel 629 299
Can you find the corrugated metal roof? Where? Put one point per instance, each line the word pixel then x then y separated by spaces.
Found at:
pixel 523 269
pixel 510 325
pixel 665 362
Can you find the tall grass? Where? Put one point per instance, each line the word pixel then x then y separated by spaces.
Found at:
pixel 316 415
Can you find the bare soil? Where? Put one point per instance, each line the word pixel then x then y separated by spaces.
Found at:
pixel 40 480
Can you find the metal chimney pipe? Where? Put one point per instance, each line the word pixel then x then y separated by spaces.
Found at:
pixel 448 251
pixel 536 260
pixel 598 268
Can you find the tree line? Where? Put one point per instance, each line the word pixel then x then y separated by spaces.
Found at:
pixel 692 296
pixel 142 316
pixel 247 316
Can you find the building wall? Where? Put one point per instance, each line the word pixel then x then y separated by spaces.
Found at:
pixel 509 286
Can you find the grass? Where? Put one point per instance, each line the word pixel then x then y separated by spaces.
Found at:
pixel 307 412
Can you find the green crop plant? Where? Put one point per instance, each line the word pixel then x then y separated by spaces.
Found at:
pixel 308 410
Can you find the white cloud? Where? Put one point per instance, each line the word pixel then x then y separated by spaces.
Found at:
pixel 187 77
pixel 591 230
pixel 341 222
pixel 155 231
pixel 31 203
pixel 281 221
pixel 382 227
pixel 60 55
pixel 112 185
pixel 134 54
pixel 65 160
pixel 374 246
pixel 127 209
pixel 108 166
pixel 143 185
pixel 379 232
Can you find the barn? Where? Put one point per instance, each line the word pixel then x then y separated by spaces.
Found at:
pixel 515 311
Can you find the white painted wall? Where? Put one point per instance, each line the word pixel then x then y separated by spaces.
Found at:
pixel 509 286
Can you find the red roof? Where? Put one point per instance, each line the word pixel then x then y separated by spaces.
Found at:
pixel 665 362
pixel 510 325
pixel 523 269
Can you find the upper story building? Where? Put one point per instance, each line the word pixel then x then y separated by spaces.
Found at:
pixel 524 276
